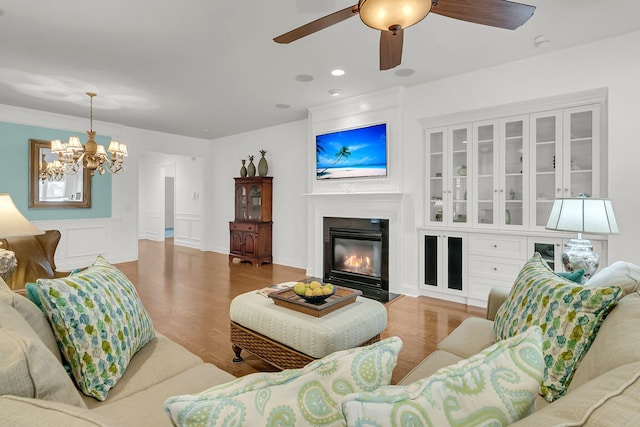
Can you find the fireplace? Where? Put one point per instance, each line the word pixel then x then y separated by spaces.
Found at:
pixel 356 255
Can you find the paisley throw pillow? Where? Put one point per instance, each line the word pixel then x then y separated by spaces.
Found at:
pixel 495 387
pixel 307 396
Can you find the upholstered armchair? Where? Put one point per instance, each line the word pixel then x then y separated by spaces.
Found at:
pixel 35 255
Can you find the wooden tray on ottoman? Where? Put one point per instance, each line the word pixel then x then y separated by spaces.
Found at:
pixel 289 299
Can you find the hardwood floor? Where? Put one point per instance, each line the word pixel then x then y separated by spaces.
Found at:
pixel 187 294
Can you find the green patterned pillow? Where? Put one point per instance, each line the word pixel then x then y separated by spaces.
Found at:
pixel 99 323
pixel 307 396
pixel 569 315
pixel 495 387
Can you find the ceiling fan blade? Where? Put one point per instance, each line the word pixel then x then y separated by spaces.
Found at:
pixel 391 49
pixel 495 13
pixel 317 25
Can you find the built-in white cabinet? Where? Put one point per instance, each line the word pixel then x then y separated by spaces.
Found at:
pixel 500 174
pixel 489 188
pixel 565 158
pixel 444 256
pixel 449 156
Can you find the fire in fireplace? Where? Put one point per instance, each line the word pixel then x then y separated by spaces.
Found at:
pixel 360 254
pixel 356 255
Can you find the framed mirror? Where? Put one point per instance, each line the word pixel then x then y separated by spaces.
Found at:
pixel 48 190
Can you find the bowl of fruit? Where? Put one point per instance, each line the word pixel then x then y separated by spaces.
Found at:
pixel 314 291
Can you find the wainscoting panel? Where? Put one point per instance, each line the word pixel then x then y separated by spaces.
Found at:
pixel 149 225
pixel 188 230
pixel 83 241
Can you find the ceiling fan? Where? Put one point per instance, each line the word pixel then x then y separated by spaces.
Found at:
pixel 391 17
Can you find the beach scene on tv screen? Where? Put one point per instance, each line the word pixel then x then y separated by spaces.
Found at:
pixel 352 153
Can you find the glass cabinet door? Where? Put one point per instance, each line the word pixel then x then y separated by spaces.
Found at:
pixel 546 182
pixel 436 185
pixel 513 188
pixel 564 143
pixel 458 187
pixel 255 200
pixel 241 203
pixel 485 183
pixel 582 136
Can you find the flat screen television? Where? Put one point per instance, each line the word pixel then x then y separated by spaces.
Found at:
pixel 352 153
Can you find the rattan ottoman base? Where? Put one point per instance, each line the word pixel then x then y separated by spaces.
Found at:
pixel 272 352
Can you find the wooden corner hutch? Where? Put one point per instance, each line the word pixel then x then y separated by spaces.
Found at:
pixel 250 232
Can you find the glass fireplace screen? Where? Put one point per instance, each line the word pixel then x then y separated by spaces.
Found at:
pixel 357 256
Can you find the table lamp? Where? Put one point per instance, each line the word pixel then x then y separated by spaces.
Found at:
pixel 12 224
pixel 582 215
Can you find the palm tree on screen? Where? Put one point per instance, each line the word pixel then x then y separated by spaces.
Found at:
pixel 344 153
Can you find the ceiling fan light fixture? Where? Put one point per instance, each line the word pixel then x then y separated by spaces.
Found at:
pixel 393 15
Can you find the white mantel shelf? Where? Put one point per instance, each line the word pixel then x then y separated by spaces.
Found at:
pixel 369 195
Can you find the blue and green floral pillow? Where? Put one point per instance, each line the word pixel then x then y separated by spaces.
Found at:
pixel 310 396
pixel 98 321
pixel 493 388
pixel 569 315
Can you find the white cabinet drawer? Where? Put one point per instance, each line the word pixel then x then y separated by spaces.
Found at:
pixel 495 268
pixel 498 246
pixel 479 287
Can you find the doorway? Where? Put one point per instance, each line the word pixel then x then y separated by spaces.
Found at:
pixel 169 206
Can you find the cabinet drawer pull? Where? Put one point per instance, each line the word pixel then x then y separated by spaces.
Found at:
pixel 495 246
pixel 495 268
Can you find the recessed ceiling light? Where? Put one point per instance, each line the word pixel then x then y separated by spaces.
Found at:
pixel 304 77
pixel 541 42
pixel 404 72
pixel 283 106
pixel 335 92
pixel 337 72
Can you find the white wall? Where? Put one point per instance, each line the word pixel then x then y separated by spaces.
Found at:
pixel 189 202
pixel 286 147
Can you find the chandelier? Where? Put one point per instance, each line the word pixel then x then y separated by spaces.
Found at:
pixel 51 171
pixel 73 156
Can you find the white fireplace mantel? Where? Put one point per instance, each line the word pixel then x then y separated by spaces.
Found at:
pixel 385 205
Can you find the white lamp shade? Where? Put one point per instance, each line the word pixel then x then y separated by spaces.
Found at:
pixel 383 14
pixel 74 144
pixel 583 215
pixel 12 222
pixel 57 146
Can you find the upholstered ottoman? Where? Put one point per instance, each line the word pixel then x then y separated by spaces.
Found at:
pixel 289 339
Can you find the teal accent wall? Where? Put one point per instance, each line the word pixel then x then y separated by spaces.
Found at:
pixel 14 173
